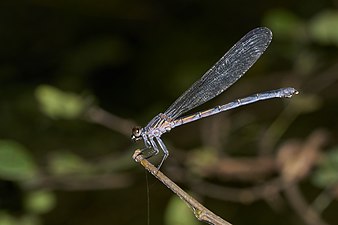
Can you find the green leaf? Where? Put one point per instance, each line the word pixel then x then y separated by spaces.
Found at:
pixel 64 162
pixel 178 213
pixel 60 104
pixel 327 172
pixel 39 202
pixel 324 27
pixel 15 161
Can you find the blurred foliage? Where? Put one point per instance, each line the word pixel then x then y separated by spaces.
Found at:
pixel 327 173
pixel 201 157
pixel 16 163
pixel 178 213
pixel 322 27
pixel 7 219
pixel 62 162
pixel 284 23
pixel 40 201
pixel 59 104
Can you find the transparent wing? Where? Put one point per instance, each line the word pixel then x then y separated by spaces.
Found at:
pixel 224 73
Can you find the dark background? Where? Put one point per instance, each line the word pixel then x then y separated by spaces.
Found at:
pixel 76 76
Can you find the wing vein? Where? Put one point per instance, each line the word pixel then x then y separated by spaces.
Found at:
pixel 224 73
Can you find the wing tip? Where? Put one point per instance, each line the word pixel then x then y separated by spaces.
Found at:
pixel 263 30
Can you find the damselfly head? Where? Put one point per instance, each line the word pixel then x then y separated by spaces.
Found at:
pixel 136 133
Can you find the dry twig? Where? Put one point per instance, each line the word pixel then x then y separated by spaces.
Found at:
pixel 201 213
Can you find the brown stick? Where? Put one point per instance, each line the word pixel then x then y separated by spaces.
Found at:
pixel 201 213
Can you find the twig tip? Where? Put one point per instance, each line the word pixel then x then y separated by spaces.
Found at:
pixel 137 156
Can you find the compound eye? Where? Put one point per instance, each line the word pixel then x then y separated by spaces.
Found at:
pixel 136 132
